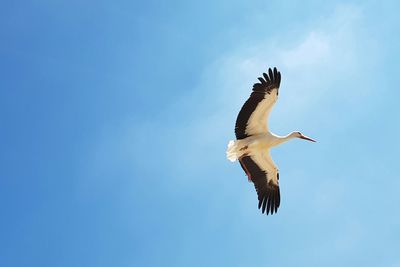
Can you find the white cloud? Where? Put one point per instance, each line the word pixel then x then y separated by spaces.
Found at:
pixel 312 66
pixel 314 50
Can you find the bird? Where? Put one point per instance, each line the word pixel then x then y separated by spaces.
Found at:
pixel 254 141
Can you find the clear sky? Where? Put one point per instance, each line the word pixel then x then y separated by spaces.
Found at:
pixel 115 117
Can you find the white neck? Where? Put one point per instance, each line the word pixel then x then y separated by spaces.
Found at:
pixel 283 139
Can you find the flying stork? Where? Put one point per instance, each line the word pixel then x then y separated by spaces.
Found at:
pixel 254 141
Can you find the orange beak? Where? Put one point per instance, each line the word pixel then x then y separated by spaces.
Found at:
pixel 307 138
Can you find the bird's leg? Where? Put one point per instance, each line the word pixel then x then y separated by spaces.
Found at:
pixel 244 148
pixel 245 169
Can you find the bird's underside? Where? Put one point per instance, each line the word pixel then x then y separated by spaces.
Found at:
pixel 251 147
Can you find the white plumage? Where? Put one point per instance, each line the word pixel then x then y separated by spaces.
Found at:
pixel 254 141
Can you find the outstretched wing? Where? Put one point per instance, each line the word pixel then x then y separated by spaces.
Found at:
pixel 252 118
pixel 262 171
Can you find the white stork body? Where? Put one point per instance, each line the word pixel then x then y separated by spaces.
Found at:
pixel 238 148
pixel 254 141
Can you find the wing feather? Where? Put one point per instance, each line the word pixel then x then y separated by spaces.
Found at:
pixel 264 174
pixel 252 118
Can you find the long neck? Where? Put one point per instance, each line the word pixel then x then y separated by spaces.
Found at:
pixel 283 139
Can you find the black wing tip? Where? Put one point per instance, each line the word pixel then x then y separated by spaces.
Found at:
pixel 270 200
pixel 267 191
pixel 268 81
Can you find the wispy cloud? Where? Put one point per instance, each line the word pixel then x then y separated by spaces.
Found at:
pixel 314 68
pixel 316 64
pixel 190 140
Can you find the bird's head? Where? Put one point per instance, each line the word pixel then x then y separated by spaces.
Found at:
pixel 302 136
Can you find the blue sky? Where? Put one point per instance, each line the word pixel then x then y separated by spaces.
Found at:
pixel 115 116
